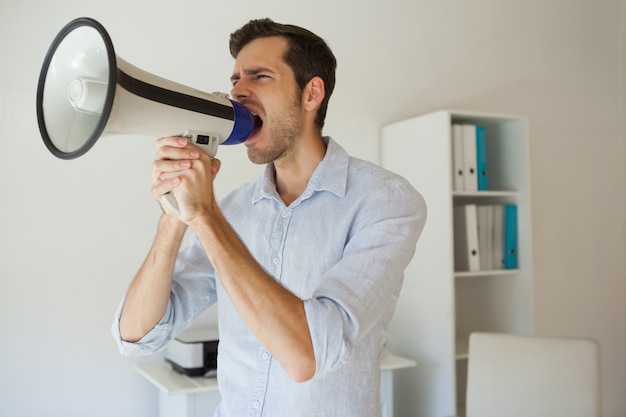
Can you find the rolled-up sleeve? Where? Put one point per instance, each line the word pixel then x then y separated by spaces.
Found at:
pixel 358 294
pixel 192 292
pixel 154 341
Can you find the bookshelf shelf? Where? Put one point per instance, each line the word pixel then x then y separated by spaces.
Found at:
pixel 485 194
pixel 496 272
pixel 440 305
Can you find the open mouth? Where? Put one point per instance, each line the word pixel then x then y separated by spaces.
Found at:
pixel 257 122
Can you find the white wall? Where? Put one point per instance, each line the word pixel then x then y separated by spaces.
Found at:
pixel 72 233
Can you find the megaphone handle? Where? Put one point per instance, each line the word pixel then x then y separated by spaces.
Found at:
pixel 170 204
pixel 207 142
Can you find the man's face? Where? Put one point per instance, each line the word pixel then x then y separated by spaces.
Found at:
pixel 266 85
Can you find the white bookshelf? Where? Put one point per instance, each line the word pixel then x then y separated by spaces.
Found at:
pixel 439 307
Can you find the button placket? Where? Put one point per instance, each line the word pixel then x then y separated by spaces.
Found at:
pixel 260 386
pixel 279 235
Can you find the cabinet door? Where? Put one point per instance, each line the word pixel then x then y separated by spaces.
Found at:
pixel 423 324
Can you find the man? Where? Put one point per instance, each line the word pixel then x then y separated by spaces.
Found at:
pixel 306 262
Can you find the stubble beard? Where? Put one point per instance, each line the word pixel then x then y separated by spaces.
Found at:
pixel 285 129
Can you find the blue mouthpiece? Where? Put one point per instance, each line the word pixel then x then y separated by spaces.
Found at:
pixel 243 125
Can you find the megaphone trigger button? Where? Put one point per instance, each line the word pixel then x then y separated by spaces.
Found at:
pixel 203 139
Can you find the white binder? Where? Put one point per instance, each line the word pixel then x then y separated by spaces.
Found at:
pixel 458 180
pixel 470 177
pixel 466 250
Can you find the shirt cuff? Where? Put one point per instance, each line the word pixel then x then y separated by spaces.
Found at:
pixel 154 341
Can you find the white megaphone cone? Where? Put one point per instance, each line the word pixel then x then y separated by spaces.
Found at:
pixel 86 92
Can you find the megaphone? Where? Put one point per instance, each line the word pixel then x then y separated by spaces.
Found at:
pixel 86 92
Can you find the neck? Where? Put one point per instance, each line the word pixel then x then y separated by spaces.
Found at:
pixel 293 175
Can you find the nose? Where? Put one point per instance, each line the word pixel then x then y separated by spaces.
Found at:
pixel 239 91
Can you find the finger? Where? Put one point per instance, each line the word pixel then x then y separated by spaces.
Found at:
pixel 176 147
pixel 216 164
pixel 165 169
pixel 172 141
pixel 170 165
pixel 169 152
pixel 164 187
pixel 174 154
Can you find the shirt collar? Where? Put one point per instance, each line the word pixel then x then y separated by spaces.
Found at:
pixel 330 175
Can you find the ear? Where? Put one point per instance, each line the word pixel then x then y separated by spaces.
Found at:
pixel 313 94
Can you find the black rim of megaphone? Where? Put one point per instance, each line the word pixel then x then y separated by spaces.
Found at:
pixel 108 104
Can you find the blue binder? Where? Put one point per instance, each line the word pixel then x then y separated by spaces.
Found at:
pixel 481 159
pixel 510 236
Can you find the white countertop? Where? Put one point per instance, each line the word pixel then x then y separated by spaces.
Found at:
pixel 171 382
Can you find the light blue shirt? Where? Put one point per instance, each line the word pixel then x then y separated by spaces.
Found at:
pixel 341 247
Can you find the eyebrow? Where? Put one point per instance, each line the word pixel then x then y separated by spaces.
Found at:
pixel 250 71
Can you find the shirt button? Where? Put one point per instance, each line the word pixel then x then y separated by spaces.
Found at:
pixel 266 356
pixel 276 261
pixel 256 404
pixel 285 214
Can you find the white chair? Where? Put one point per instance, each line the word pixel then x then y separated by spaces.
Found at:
pixel 530 376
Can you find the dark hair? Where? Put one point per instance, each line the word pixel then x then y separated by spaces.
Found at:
pixel 308 55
